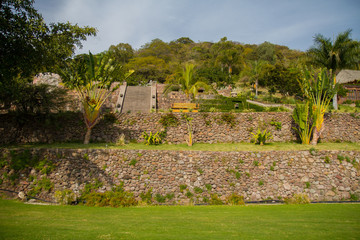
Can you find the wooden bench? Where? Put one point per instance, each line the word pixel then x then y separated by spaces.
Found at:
pixel 185 107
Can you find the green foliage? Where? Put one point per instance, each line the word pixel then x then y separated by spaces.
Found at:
pixel 183 187
pixel 208 187
pixel 340 158
pixel 45 166
pixel 256 163
pixel 235 199
pixel 307 184
pixel 170 196
pixel 153 139
pixel 327 159
pixel 261 137
pixel 229 118
pixel 261 182
pixel 237 175
pixel 118 197
pixel 147 197
pixel 198 190
pixel 215 200
pixel 297 199
pixel 313 151
pixel 302 116
pixel 65 197
pixel 160 198
pixel 91 187
pixel 354 197
pixel 189 194
pixel 44 184
pixel 133 162
pixel 169 120
pixel 278 125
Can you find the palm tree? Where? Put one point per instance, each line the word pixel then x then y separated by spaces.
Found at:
pixel 335 55
pixel 91 78
pixel 187 82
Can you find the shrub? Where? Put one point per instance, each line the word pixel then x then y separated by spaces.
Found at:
pixel 261 182
pixel 169 120
pixel 228 118
pixel 208 187
pixel 189 194
pixel 278 125
pixel 215 200
pixel 235 199
pixel 147 197
pixel 198 190
pixel 133 162
pixel 183 187
pixel 307 184
pixel 297 199
pixel 327 159
pixel 261 137
pixel 117 198
pixel 160 198
pixel 170 196
pixel 340 158
pixel 65 197
pixel 42 185
pixel 153 139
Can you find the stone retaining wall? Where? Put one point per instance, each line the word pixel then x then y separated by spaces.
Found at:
pixel 208 128
pixel 254 175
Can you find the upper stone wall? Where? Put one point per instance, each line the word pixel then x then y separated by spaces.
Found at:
pixel 208 128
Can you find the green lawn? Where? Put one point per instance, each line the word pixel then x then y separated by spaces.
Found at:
pixel 205 146
pixel 315 221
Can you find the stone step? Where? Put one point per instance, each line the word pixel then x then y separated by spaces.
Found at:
pixel 137 99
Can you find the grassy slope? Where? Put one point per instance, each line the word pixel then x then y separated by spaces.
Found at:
pixel 320 221
pixel 206 147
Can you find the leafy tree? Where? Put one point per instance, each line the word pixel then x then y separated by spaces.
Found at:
pixel 92 78
pixel 280 78
pixel 29 46
pixel 156 48
pixel 187 82
pixel 121 53
pixel 146 69
pixel 319 88
pixel 342 53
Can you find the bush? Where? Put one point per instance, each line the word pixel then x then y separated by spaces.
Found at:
pixel 215 200
pixel 235 199
pixel 261 137
pixel 147 197
pixel 118 197
pixel 169 120
pixel 298 199
pixel 65 197
pixel 153 139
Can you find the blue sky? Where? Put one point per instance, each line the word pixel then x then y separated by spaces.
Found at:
pixel 292 23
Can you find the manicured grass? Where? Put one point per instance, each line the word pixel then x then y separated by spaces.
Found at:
pixel 318 221
pixel 204 146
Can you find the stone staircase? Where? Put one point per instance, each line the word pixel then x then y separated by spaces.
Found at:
pixel 137 99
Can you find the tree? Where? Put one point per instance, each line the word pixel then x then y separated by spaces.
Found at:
pixel 92 78
pixel 319 88
pixel 302 116
pixel 121 53
pixel 335 55
pixel 29 46
pixel 187 82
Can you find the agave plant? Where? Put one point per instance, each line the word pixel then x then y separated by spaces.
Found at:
pixel 91 77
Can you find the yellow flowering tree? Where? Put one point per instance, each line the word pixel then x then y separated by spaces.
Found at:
pixel 92 78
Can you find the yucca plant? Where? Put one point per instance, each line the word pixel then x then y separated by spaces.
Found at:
pixel 302 116
pixel 91 77
pixel 319 88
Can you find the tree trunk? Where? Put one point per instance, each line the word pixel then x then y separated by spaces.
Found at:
pixel 87 136
pixel 335 103
pixel 317 134
pixel 256 88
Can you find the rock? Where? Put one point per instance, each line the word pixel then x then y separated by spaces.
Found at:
pixel 287 186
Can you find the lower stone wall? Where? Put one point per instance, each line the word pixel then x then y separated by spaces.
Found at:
pixel 208 127
pixel 254 175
